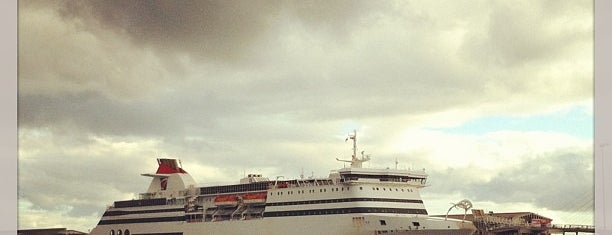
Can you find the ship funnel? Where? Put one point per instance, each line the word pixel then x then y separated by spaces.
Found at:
pixel 169 179
pixel 168 166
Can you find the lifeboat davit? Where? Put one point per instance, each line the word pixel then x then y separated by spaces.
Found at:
pixel 226 200
pixel 254 198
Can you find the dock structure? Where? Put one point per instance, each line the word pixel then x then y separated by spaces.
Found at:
pixel 571 229
pixel 517 223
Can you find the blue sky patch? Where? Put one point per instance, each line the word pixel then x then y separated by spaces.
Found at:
pixel 576 121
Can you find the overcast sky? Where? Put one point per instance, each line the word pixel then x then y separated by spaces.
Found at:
pixel 492 98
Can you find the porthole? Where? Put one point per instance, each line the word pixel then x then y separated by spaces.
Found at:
pixel 119 232
pixel 127 232
pixel 112 232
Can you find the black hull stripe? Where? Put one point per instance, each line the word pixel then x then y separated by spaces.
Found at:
pixel 141 202
pixel 333 211
pixel 359 199
pixel 142 220
pixel 113 213
pixel 177 233
pixel 353 210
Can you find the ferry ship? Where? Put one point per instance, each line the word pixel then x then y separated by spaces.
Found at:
pixel 351 201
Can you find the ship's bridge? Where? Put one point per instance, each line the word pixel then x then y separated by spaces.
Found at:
pixel 417 178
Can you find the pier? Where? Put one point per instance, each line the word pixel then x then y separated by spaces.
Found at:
pixel 571 228
pixel 518 223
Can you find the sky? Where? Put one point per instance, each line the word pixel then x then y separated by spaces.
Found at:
pixel 492 98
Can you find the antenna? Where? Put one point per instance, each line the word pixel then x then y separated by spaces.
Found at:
pixel 302 174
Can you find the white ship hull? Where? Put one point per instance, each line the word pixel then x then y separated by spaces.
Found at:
pixel 301 225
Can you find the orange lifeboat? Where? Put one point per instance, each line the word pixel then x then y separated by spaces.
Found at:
pixel 254 198
pixel 226 200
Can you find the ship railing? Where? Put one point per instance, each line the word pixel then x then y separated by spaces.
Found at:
pixel 301 183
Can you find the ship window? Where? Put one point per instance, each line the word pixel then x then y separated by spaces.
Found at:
pixel 417 224
pixel 384 189
pixel 360 188
pixel 118 232
pixel 402 190
pixel 127 232
pixel 383 222
pixel 112 232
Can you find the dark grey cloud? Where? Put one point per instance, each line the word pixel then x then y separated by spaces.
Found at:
pixel 94 114
pixel 217 30
pixel 56 179
pixel 516 35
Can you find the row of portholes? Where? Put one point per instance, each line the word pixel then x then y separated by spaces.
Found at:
pixel 323 190
pixel 390 189
pixel 119 232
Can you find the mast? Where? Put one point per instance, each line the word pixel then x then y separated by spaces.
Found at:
pixel 354 138
pixel 355 162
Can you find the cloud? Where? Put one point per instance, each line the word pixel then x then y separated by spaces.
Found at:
pixel 561 181
pixel 382 68
pixel 59 57
pixel 512 168
pixel 219 31
pixel 232 87
pixel 518 34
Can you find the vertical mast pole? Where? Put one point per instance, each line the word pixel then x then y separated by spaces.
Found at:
pixel 354 144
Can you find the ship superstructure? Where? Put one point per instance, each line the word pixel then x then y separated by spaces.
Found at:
pixel 351 200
